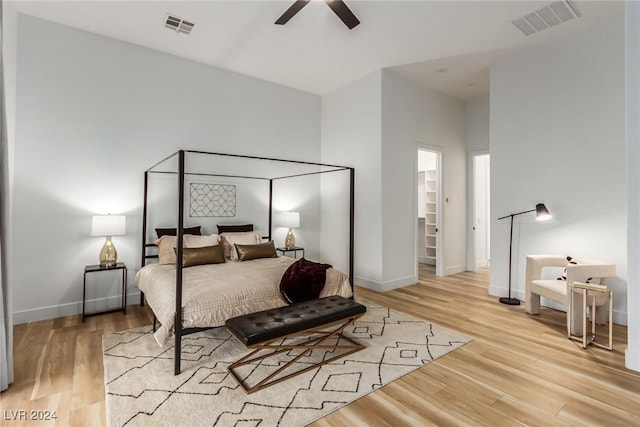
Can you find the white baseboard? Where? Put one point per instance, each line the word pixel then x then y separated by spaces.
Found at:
pixel 482 264
pixel 455 269
pixel 385 286
pixel 619 317
pixel 632 359
pixel 70 309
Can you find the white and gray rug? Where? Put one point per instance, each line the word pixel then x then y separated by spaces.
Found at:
pixel 141 389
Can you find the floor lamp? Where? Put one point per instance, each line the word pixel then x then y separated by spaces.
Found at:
pixel 542 214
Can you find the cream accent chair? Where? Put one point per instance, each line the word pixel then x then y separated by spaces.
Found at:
pixel 557 290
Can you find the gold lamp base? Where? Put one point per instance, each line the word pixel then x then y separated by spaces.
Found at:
pixel 290 240
pixel 108 254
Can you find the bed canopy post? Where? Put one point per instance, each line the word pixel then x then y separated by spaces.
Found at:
pixel 270 208
pixel 179 251
pixel 144 229
pixel 352 204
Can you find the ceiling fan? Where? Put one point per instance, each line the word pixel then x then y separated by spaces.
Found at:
pixel 338 7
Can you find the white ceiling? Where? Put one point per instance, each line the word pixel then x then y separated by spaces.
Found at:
pixel 315 52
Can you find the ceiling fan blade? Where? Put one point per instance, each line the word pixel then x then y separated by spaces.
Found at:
pixel 343 13
pixel 290 13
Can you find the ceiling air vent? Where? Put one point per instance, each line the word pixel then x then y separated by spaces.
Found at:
pixel 549 16
pixel 179 25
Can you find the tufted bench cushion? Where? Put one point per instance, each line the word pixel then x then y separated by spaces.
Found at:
pixel 278 322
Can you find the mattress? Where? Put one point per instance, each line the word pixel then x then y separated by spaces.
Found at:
pixel 213 293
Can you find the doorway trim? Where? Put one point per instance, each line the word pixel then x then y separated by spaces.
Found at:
pixel 471 210
pixel 437 150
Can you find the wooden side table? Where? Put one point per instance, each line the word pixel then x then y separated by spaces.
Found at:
pixel 295 250
pixel 98 268
pixel 592 290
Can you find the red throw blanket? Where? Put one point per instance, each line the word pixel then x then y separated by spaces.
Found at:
pixel 303 281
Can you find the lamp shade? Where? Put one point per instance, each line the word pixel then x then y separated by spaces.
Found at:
pixel 542 213
pixel 108 225
pixel 290 219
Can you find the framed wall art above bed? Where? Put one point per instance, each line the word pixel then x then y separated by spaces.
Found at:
pixel 212 200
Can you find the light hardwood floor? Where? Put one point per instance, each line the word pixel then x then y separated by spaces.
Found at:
pixel 517 370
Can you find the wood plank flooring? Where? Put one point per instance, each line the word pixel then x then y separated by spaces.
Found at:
pixel 518 369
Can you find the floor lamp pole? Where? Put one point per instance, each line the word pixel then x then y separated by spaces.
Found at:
pixel 542 213
pixel 508 300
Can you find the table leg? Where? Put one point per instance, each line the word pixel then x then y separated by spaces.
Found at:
pixel 84 294
pixel 584 318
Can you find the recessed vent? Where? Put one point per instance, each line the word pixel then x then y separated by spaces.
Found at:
pixel 547 17
pixel 179 25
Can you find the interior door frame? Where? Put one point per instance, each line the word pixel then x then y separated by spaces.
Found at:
pixel 471 210
pixel 440 233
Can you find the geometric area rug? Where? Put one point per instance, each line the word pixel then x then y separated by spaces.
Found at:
pixel 141 389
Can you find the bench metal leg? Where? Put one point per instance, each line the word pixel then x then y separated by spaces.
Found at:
pixel 313 343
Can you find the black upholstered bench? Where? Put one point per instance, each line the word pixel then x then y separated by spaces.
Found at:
pixel 275 330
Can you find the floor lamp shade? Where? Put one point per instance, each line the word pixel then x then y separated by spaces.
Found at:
pixel 291 220
pixel 542 214
pixel 107 226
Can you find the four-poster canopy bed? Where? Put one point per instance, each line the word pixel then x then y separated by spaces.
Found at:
pixel 164 286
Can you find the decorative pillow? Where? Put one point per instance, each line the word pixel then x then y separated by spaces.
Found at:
pixel 193 241
pixel 174 231
pixel 261 250
pixel 235 228
pixel 229 239
pixel 303 280
pixel 166 253
pixel 571 261
pixel 564 273
pixel 202 255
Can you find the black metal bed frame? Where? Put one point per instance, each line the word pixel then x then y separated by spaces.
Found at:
pixel 182 171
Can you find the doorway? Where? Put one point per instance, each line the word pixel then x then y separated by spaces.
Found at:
pixel 429 208
pixel 480 247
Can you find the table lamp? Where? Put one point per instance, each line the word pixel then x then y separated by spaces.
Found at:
pixel 291 220
pixel 107 226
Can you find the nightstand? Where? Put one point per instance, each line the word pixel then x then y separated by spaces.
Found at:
pixel 100 268
pixel 295 250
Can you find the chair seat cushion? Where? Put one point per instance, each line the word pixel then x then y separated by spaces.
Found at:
pixel 555 290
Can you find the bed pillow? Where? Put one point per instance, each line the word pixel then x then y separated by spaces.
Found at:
pixel 202 255
pixel 167 245
pixel 166 254
pixel 229 239
pixel 193 241
pixel 261 250
pixel 303 281
pixel 174 231
pixel 235 228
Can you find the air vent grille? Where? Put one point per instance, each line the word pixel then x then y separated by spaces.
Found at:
pixel 547 17
pixel 177 24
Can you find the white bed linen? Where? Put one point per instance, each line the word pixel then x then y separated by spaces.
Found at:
pixel 213 293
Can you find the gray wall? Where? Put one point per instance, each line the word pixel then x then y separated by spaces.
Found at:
pixel 414 115
pixel 632 68
pixel 558 137
pixel 376 124
pixel 351 133
pixel 92 114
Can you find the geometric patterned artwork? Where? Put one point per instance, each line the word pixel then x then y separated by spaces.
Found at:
pixel 209 200
pixel 141 389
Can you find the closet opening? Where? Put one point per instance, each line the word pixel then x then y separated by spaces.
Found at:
pixel 429 205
